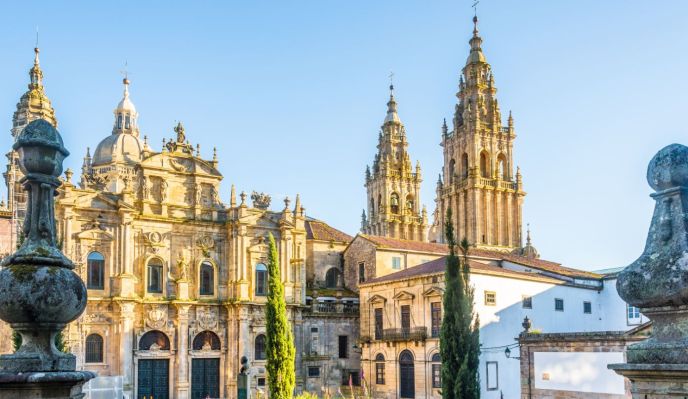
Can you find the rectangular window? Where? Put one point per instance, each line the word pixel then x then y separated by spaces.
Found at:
pixel 155 279
pixel 361 272
pixel 378 323
pixel 261 381
pixel 261 282
pixel 437 376
pixel 405 318
pixel 587 307
pixel 380 373
pixel 527 302
pixel 314 371
pixel 559 304
pixel 492 376
pixel 632 315
pixel 396 263
pixel 435 318
pixel 343 346
pixel 96 268
pixel 490 298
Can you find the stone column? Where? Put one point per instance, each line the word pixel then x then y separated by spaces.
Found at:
pixel 182 360
pixel 126 345
pixel 657 283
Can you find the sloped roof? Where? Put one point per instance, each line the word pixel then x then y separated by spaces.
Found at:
pixel 438 265
pixel 319 230
pixel 407 245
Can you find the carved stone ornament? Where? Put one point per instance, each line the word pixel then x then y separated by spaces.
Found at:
pixel 154 240
pixel 206 318
pixel 206 243
pixel 260 200
pixel 156 316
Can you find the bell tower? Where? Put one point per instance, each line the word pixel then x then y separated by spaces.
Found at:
pixel 393 185
pixel 33 104
pixel 478 181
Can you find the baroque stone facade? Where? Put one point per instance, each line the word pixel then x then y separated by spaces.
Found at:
pixel 176 278
pixel 393 185
pixel 478 181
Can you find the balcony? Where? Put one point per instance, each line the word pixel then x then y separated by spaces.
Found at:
pixel 405 334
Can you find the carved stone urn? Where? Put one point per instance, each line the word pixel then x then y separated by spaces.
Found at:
pixel 39 291
pixel 657 283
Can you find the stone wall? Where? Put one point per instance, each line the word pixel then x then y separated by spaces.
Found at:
pixel 574 343
pixel 360 250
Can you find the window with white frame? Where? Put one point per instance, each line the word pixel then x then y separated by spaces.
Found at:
pixel 396 263
pixel 632 315
pixel 492 376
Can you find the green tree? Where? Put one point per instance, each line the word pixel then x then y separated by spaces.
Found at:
pixel 459 335
pixel 59 341
pixel 280 340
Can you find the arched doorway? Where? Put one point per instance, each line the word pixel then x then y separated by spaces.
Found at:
pixel 407 386
pixel 205 371
pixel 153 374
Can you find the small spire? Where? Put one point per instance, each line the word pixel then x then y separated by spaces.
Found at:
pixel 445 129
pixel 528 234
pixel 392 115
pixel 215 154
pixel 297 205
pixel 88 152
pixel 35 73
pixel 475 25
pixel 511 120
pixel 164 145
pixel 232 197
pixel 145 142
pixel 198 150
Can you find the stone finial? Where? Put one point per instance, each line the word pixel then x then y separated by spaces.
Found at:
pixel 657 282
pixel 243 199
pixel 39 292
pixel 68 176
pixel 232 197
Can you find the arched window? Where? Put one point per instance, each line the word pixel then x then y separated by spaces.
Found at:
pixel 206 340
pixel 485 165
pixel 464 165
pixel 394 202
pixel 126 122
pixel 155 276
pixel 409 202
pixel 380 369
pixel 261 279
pixel 501 163
pixel 452 171
pixel 260 347
pixel 436 371
pixel 119 121
pixel 154 340
pixel 207 279
pixel 96 271
pixel 331 278
pixel 372 208
pixel 94 349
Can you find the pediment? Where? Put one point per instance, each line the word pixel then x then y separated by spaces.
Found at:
pixel 403 295
pixel 377 299
pixel 433 291
pixel 180 163
pixel 96 201
pixel 94 234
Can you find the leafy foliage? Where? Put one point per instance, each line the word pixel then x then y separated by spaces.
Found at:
pixel 280 340
pixel 459 334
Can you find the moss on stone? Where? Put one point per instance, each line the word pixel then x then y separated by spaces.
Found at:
pixel 22 273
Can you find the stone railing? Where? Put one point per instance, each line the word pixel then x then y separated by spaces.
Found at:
pixel 405 334
pixel 334 308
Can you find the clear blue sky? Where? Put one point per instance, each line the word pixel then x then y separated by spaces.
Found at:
pixel 293 95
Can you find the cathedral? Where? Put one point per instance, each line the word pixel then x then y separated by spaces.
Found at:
pixel 177 277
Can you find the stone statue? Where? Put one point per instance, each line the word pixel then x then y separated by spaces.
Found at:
pixel 145 189
pixel 199 194
pixel 181 136
pixel 182 267
pixel 163 190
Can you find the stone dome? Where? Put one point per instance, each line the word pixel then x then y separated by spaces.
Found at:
pixel 118 148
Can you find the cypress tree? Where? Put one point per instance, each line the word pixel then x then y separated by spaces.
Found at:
pixel 459 334
pixel 280 351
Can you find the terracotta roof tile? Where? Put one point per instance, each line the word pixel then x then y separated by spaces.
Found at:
pixel 319 230
pixel 438 265
pixel 407 245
